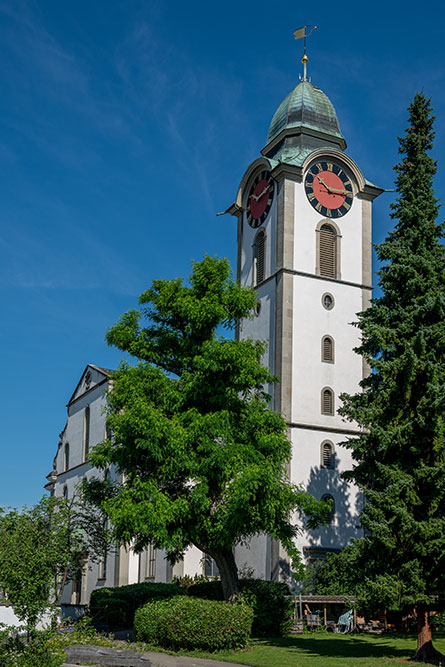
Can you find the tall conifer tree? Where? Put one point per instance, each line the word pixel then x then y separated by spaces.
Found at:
pixel 400 456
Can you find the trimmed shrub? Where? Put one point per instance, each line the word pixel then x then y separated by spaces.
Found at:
pixel 193 623
pixel 270 600
pixel 115 607
pixel 209 590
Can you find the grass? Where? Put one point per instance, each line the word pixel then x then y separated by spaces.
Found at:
pixel 317 649
pixel 326 650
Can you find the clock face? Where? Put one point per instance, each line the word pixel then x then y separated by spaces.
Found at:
pixel 260 199
pixel 329 189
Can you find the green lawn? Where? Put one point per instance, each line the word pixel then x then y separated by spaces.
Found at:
pixel 327 650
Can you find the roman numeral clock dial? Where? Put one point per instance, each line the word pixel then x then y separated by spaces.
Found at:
pixel 260 199
pixel 328 189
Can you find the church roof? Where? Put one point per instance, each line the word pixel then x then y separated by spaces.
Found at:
pixel 85 383
pixel 306 107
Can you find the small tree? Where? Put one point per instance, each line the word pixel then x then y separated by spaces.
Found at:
pixel 43 547
pixel 400 455
pixel 202 454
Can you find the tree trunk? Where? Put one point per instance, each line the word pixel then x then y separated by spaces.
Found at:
pixel 425 649
pixel 228 572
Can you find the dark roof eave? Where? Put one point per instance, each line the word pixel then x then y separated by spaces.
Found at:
pixel 339 140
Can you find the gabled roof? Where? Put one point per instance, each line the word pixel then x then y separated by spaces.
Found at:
pixel 104 374
pixel 101 369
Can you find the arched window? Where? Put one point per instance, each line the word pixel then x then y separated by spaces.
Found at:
pixel 102 564
pixel 331 511
pixel 259 258
pixel 327 349
pixel 102 567
pixel 328 242
pixel 328 250
pixel 66 462
pixel 327 454
pixel 327 401
pixel 210 567
pixel 86 432
pixel 150 562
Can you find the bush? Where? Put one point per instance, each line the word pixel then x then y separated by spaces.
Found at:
pixel 270 600
pixel 192 623
pixel 15 653
pixel 47 647
pixel 115 607
pixel 437 622
pixel 186 580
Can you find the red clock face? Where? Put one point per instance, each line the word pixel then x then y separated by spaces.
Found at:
pixel 329 189
pixel 260 199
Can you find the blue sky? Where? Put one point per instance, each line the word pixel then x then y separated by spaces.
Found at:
pixel 125 126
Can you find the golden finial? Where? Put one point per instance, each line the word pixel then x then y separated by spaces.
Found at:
pixel 298 34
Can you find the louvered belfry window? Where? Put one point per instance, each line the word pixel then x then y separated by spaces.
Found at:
pixel 328 349
pixel 328 251
pixel 327 402
pixel 326 455
pixel 259 258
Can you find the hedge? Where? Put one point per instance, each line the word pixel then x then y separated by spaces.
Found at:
pixel 193 623
pixel 270 601
pixel 115 607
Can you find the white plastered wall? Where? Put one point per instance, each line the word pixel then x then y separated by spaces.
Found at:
pixel 306 469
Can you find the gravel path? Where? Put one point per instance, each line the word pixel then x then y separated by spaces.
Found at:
pixel 113 657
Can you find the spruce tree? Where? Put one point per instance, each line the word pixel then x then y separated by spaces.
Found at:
pixel 400 455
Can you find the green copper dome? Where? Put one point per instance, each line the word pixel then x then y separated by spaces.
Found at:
pixel 309 113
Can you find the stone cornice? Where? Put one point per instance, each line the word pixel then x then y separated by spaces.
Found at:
pixel 316 277
pixel 326 429
pixel 303 129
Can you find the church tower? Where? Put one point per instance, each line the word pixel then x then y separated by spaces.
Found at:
pixel 304 243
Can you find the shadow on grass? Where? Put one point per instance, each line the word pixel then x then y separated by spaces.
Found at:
pixel 347 646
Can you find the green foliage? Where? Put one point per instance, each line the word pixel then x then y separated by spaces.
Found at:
pixel 41 548
pixel 438 622
pixel 270 600
pixel 342 573
pixel 192 623
pixel 400 454
pixel 115 607
pixel 15 653
pixel 351 573
pixel 187 580
pixel 47 648
pixel 202 453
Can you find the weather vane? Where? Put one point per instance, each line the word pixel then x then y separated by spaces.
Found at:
pixel 298 34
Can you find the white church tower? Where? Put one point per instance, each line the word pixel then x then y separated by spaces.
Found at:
pixel 304 243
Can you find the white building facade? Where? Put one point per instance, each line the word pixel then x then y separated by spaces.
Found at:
pixel 304 213
pixel 85 427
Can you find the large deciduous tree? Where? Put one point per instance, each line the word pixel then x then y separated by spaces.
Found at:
pixel 202 454
pixel 400 455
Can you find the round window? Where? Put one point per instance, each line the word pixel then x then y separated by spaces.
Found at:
pixel 328 301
